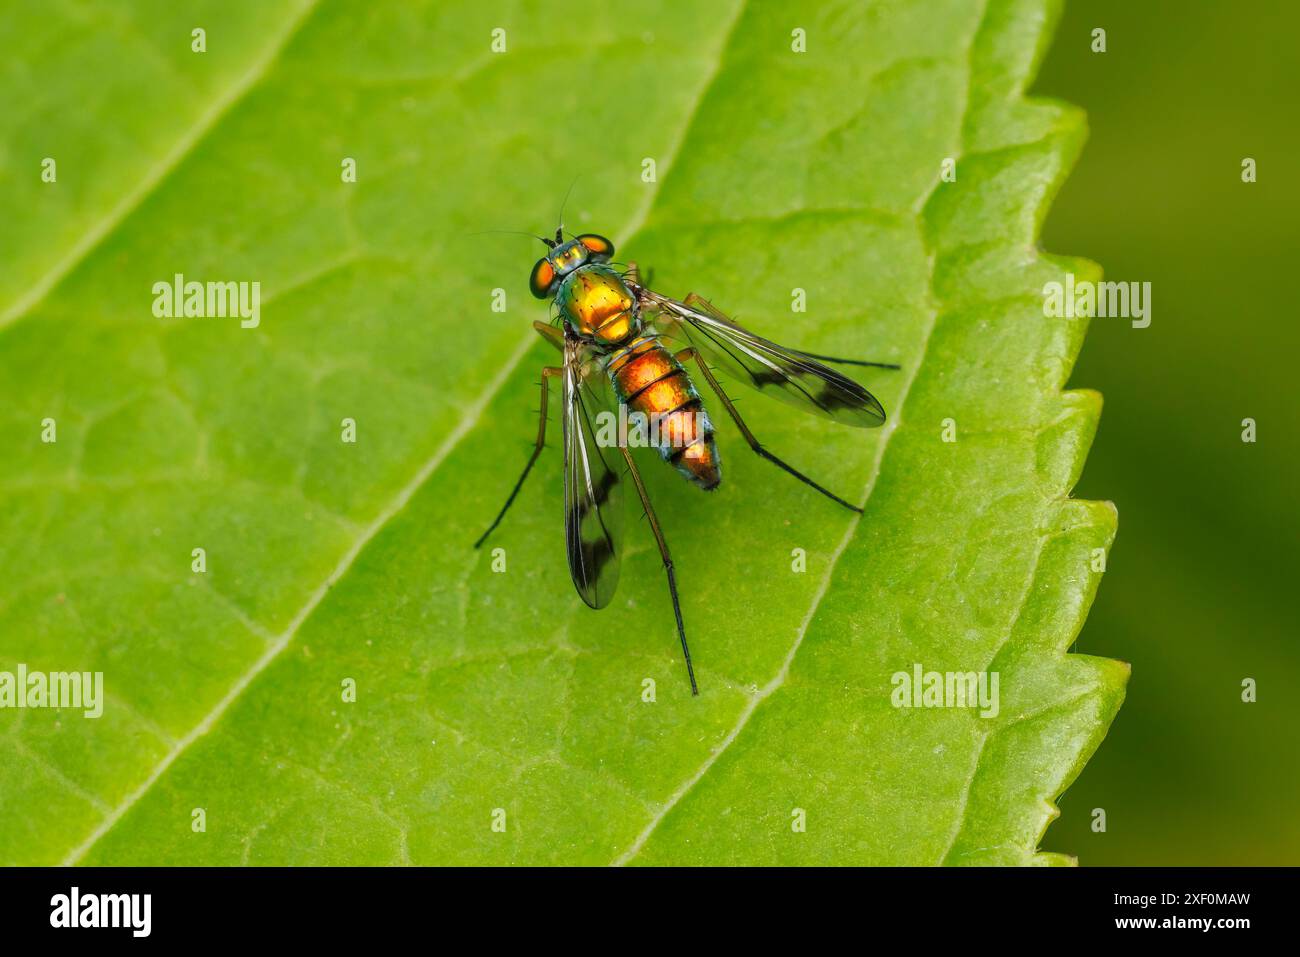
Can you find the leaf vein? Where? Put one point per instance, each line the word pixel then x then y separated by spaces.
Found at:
pixel 158 173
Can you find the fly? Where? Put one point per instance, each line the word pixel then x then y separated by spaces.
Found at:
pixel 626 350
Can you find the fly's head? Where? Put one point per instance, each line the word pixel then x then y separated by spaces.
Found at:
pixel 563 257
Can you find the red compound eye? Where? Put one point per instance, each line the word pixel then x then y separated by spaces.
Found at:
pixel 600 248
pixel 542 279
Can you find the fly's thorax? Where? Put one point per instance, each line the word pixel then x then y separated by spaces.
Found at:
pixel 595 301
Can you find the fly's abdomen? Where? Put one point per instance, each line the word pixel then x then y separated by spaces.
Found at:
pixel 651 382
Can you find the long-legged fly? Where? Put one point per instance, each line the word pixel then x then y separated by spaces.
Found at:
pixel 614 335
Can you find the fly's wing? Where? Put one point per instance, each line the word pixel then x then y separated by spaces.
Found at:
pixel 785 374
pixel 593 498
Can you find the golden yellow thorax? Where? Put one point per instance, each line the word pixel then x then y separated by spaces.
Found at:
pixel 597 303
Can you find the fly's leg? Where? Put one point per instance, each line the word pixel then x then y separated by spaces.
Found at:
pixel 548 372
pixel 552 334
pixel 691 353
pixel 668 561
pixel 555 337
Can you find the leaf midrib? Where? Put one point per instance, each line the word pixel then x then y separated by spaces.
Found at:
pixel 152 181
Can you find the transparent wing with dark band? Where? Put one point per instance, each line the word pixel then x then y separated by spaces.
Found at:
pixel 785 374
pixel 593 500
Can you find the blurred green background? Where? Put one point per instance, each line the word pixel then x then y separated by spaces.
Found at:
pixel 1200 592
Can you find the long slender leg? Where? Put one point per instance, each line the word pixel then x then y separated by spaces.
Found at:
pixel 691 353
pixel 548 372
pixel 668 561
pixel 851 362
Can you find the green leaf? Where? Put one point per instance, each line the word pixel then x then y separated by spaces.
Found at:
pixel 480 690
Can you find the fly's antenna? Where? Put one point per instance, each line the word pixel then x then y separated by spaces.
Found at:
pixel 559 230
pixel 514 232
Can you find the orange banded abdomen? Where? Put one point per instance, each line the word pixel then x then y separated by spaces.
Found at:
pixel 649 380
